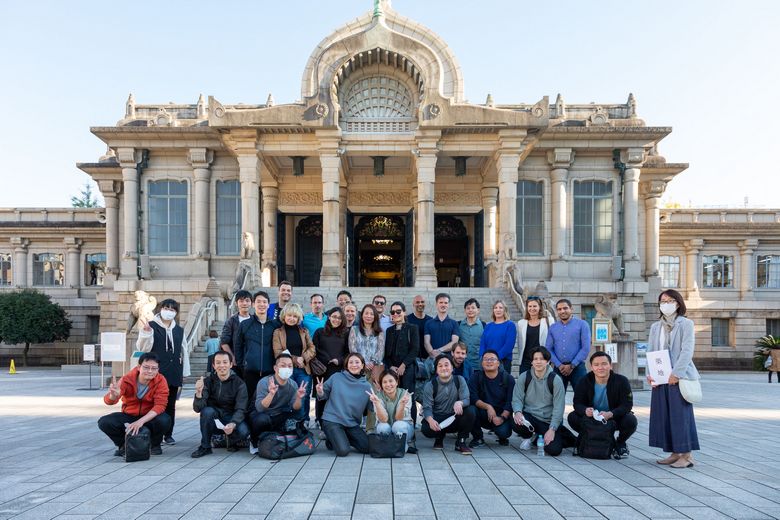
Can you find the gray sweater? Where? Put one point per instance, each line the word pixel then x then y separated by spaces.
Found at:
pixel 347 399
pixel 282 402
pixel 538 401
pixel 446 396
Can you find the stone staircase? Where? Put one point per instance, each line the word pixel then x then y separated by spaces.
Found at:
pixel 364 295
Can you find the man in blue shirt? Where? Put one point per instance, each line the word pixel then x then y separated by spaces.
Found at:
pixel 461 366
pixel 441 331
pixel 569 344
pixel 470 331
pixel 379 303
pixel 285 295
pixel 316 318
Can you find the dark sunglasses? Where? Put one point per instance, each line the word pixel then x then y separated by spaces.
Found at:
pixel 379 303
pixel 396 311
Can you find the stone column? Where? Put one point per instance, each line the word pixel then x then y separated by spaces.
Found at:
pixel 652 234
pixel 249 174
pixel 507 163
pixel 73 262
pixel 425 264
pixel 20 261
pixel 268 271
pixel 633 158
pixel 490 231
pixel 330 161
pixel 561 160
pixel 109 190
pixel 692 267
pixel 200 159
pixel 128 160
pixel 746 263
pixel 343 232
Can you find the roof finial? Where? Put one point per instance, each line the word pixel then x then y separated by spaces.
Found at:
pixel 130 107
pixel 378 13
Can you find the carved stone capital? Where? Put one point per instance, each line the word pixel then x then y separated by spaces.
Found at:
pixel 652 189
pixel 746 247
pixel 20 244
pixel 633 157
pixel 200 158
pixel 109 189
pixel 73 244
pixel 128 157
pixel 693 246
pixel 489 195
pixel 561 158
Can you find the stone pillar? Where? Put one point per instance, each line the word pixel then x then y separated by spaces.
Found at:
pixel 73 262
pixel 200 159
pixel 561 160
pixel 109 190
pixel 633 159
pixel 490 231
pixel 128 160
pixel 507 163
pixel 692 267
pixel 330 276
pixel 343 232
pixel 652 234
pixel 425 275
pixel 249 174
pixel 20 261
pixel 268 271
pixel 746 263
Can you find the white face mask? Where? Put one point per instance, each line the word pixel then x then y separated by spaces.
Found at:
pixel 167 314
pixel 285 372
pixel 667 309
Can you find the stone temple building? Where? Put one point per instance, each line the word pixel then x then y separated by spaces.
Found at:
pixel 383 175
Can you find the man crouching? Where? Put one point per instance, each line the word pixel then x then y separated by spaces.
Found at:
pixel 221 396
pixel 144 395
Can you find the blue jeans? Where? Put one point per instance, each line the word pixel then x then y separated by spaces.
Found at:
pixel 578 373
pixel 300 376
pixel 398 428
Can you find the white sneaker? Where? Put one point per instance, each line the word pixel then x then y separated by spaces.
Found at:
pixel 527 444
pixel 252 449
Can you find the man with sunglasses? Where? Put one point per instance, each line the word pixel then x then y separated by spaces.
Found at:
pixel 379 303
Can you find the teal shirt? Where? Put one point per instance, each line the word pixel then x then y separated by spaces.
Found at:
pixel 600 401
pixel 312 323
pixel 470 335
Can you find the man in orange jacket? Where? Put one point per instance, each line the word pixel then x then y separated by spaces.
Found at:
pixel 144 395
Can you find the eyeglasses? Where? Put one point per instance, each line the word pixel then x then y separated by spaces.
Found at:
pixel 396 311
pixel 490 360
pixel 379 303
pixel 149 369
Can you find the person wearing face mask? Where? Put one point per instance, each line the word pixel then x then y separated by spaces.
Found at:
pixel 277 399
pixel 165 338
pixel 293 339
pixel 347 394
pixel 672 425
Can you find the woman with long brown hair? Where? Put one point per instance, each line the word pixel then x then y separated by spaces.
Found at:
pixel 330 343
pixel 368 340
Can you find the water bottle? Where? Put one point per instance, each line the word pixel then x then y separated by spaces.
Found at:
pixel 540 445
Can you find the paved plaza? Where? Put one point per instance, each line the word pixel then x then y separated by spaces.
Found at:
pixel 55 463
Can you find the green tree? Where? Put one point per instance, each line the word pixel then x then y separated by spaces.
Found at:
pixel 31 317
pixel 86 199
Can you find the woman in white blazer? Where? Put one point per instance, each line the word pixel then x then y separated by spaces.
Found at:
pixel 672 425
pixel 531 331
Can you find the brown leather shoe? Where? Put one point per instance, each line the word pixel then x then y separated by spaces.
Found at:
pixel 671 459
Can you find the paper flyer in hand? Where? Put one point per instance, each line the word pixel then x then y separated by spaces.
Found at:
pixel 659 366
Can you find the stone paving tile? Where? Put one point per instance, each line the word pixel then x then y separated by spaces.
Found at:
pixel 595 495
pixel 128 510
pixel 412 505
pixel 532 512
pixel 45 511
pixel 490 505
pixel 702 513
pixel 651 507
pixel 286 511
pixel 373 511
pixel 521 495
pixel 305 493
pixel 334 503
pixel 620 513
pixel 256 503
pixel 230 493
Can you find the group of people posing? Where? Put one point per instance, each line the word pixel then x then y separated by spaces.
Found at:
pixel 368 371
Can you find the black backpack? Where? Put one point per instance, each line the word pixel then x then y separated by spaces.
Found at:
pixel 435 383
pixel 596 440
pixel 280 445
pixel 138 446
pixel 550 381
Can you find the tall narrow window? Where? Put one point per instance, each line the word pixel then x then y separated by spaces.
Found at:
pixel 720 332
pixel 717 271
pixel 593 218
pixel 6 272
pixel 95 268
pixel 530 238
pixel 228 218
pixel 669 271
pixel 48 270
pixel 773 327
pixel 768 271
pixel 167 218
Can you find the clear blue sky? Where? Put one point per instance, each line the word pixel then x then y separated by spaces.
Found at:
pixel 708 69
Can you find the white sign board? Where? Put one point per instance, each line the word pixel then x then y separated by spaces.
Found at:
pixel 89 353
pixel 612 351
pixel 112 346
pixel 659 366
pixel 641 352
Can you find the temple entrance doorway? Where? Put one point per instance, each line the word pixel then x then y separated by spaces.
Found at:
pixel 308 251
pixel 451 247
pixel 380 251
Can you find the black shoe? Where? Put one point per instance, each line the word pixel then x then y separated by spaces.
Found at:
pixel 503 442
pixel 201 451
pixel 170 441
pixel 411 450
pixel 233 448
pixel 120 452
pixel 460 446
pixel 438 444
pixel 621 451
pixel 477 443
pixel 156 450
pixel 328 445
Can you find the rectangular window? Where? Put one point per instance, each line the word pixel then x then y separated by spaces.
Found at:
pixel 228 218
pixel 167 218
pixel 95 269
pixel 720 332
pixel 93 329
pixel 717 271
pixel 6 272
pixel 768 271
pixel 773 327
pixel 48 270
pixel 587 313
pixel 669 271
pixel 593 218
pixel 530 239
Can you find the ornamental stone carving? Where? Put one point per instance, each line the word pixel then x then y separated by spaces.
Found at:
pixel 599 118
pixel 370 198
pixel 452 198
pixel 433 111
pixel 321 110
pixel 300 198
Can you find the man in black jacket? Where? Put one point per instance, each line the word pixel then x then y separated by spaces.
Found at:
pixel 402 344
pixel 222 396
pixel 229 334
pixel 609 394
pixel 254 344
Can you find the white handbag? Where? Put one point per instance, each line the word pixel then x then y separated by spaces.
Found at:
pixel 690 390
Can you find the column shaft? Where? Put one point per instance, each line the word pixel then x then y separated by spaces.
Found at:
pixel 426 177
pixel 20 261
pixel 130 203
pixel 202 176
pixel 330 276
pixel 112 234
pixel 559 222
pixel 631 214
pixel 249 174
pixel 652 234
pixel 268 270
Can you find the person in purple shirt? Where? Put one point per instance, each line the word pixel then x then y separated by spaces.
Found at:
pixel 500 335
pixel 568 341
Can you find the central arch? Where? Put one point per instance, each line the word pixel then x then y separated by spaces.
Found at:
pixel 380 251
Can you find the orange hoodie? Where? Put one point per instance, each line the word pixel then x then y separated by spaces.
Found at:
pixel 156 397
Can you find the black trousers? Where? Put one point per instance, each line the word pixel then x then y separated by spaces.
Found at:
pixel 342 437
pixel 170 409
pixel 502 431
pixel 563 437
pixel 113 425
pixel 625 426
pixel 462 425
pixel 263 422
pixel 208 427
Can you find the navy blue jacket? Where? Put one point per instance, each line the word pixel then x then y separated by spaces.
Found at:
pixel 254 345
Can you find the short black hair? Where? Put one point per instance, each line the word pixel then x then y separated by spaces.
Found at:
pixel 263 294
pixel 470 301
pixel 442 295
pixel 148 356
pixel 543 351
pixel 284 355
pixel 285 282
pixel 491 351
pixel 600 353
pixel 243 294
pixel 344 291
pixel 440 358
pixel 398 304
pixel 316 294
pixel 170 303
pixel 563 300
pixel 223 353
